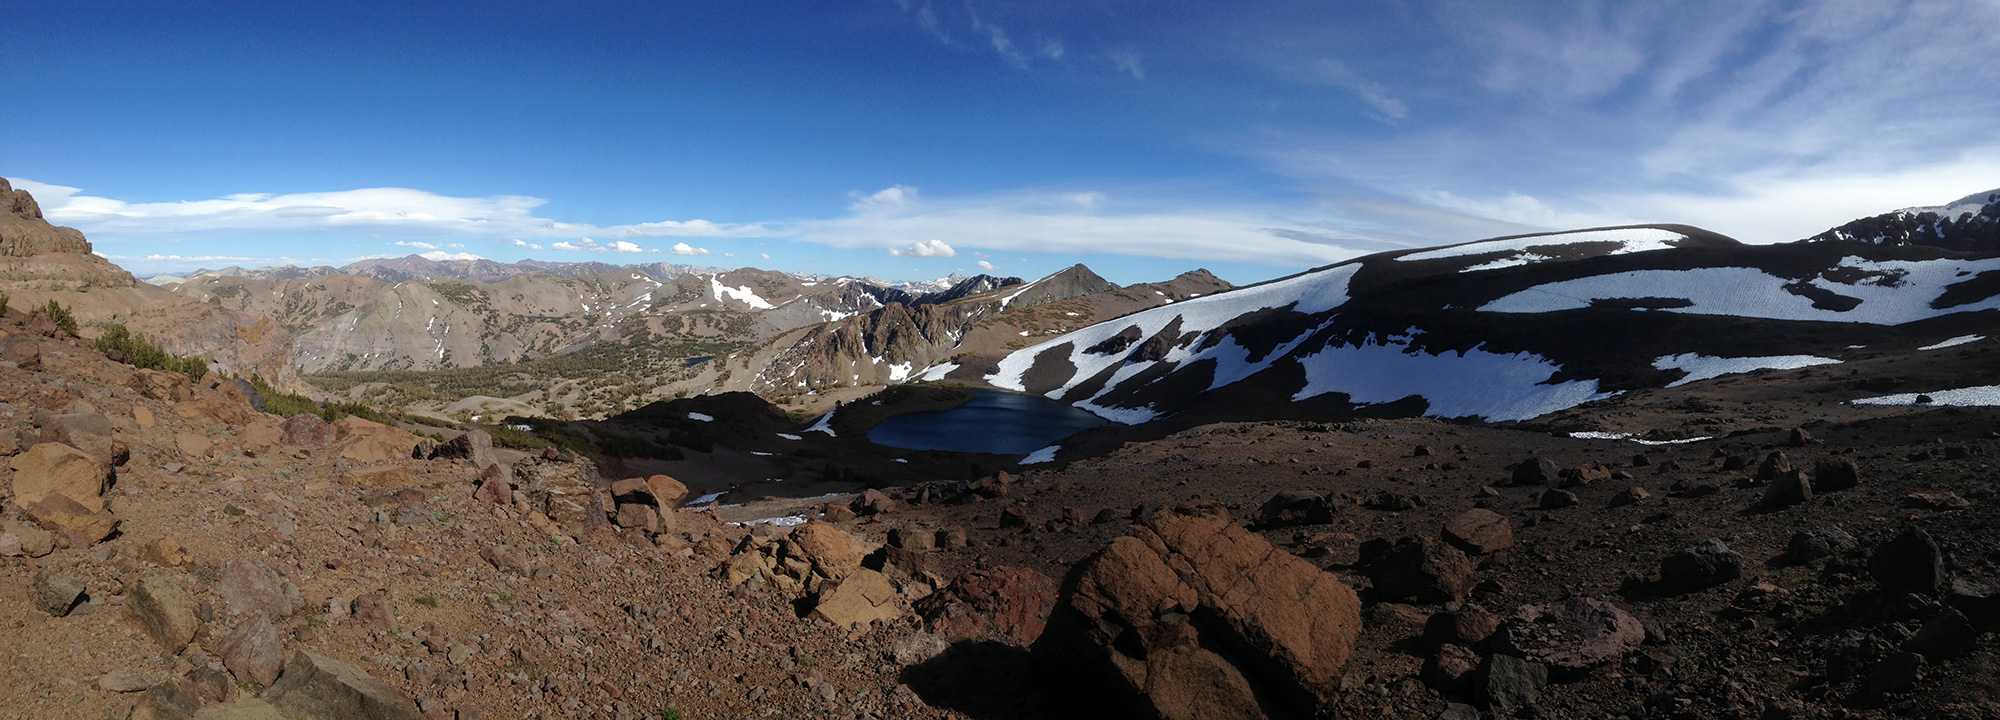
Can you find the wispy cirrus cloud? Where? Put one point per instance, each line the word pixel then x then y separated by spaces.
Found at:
pixel 401 211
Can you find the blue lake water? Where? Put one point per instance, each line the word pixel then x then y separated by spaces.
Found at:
pixel 994 422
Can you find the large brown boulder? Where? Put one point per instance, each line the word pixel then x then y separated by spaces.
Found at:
pixel 60 469
pixel 1479 531
pixel 832 553
pixel 315 686
pixel 89 432
pixel 162 385
pixel 59 513
pixel 367 441
pixel 991 602
pixel 1422 569
pixel 308 430
pixel 1188 617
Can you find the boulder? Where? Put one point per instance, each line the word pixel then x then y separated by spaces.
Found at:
pixel 307 430
pixel 1422 569
pixel 56 594
pixel 991 602
pixel 249 587
pixel 1809 545
pixel 1707 563
pixel 1141 626
pixel 474 446
pixel 24 352
pixel 88 432
pixel 165 552
pixel 1508 683
pixel 367 441
pixel 1910 562
pixel 506 558
pixel 1585 474
pixel 1790 487
pixel 315 686
pixel 874 502
pixel 832 553
pixel 667 492
pixel 211 407
pixel 374 610
pixel 1479 531
pixel 251 651
pixel 59 513
pixel 54 468
pixel 246 393
pixel 639 517
pixel 193 445
pixel 1945 635
pixel 1465 626
pixel 863 596
pixel 1536 471
pixel 261 436
pixel 1832 474
pixel 494 490
pixel 161 385
pixel 1775 464
pixel 163 610
pixel 1571 637
pixel 1295 507
pixel 913 539
pixel 33 541
pixel 1450 669
pixel 1553 499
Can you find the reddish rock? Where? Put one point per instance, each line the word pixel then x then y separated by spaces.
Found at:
pixel 1479 531
pixel 1138 625
pixel 667 492
pixel 56 469
pixel 249 587
pixel 251 651
pixel 308 430
pixel 23 352
pixel 494 490
pixel 992 602
pixel 1571 637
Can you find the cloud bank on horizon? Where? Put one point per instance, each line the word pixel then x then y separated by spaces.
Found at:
pixel 1279 137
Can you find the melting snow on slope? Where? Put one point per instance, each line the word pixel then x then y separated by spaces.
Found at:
pixel 1960 340
pixel 1047 454
pixel 706 499
pixel 1703 367
pixel 1631 240
pixel 1309 293
pixel 1983 395
pixel 1750 292
pixel 899 371
pixel 824 425
pixel 935 373
pixel 1595 435
pixel 742 294
pixel 701 416
pixel 1476 382
pixel 789 436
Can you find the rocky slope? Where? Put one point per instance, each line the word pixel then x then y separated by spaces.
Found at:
pixel 40 262
pixel 1971 223
pixel 1513 328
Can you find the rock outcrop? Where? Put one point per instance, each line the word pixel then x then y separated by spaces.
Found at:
pixel 1192 618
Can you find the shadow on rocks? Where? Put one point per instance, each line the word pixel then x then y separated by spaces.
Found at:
pixel 985 680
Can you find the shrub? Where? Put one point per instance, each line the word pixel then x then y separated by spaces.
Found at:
pixel 513 439
pixel 3 303
pixel 144 354
pixel 336 410
pixel 57 314
pixel 282 404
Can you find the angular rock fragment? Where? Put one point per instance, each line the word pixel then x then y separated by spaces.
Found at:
pixel 315 686
pixel 1479 531
pixel 164 611
pixel 1707 563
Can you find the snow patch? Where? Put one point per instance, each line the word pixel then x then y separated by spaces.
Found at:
pixel 706 499
pixel 1475 382
pixel 1047 454
pixel 935 373
pixel 1596 435
pixel 1891 292
pixel 899 371
pixel 742 294
pixel 789 436
pixel 1630 240
pixel 824 425
pixel 1703 367
pixel 1960 340
pixel 701 416
pixel 1979 396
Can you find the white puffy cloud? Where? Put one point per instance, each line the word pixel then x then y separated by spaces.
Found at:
pixel 441 256
pixel 924 248
pixel 589 245
pixel 415 244
pixel 525 244
pixel 984 265
pixel 686 249
pixel 622 246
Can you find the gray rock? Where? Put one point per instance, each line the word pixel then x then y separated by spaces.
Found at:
pixel 373 610
pixel 35 542
pixel 89 432
pixel 1789 487
pixel 506 557
pixel 250 587
pixel 1536 471
pixel 316 686
pixel 248 708
pixel 251 651
pixel 122 681
pixel 1946 635
pixel 57 595
pixel 1511 683
pixel 1897 673
pixel 1809 545
pixel 1707 563
pixel 164 611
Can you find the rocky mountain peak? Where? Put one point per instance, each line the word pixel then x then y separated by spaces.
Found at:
pixel 1971 223
pixel 23 232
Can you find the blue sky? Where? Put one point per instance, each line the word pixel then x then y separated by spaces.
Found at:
pixel 909 139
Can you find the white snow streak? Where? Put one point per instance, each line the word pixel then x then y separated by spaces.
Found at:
pixel 1703 367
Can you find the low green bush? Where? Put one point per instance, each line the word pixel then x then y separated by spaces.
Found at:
pixel 58 314
pixel 143 353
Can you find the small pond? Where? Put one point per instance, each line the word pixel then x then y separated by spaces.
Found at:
pixel 693 361
pixel 994 422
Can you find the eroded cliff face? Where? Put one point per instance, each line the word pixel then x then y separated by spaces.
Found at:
pixel 40 262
